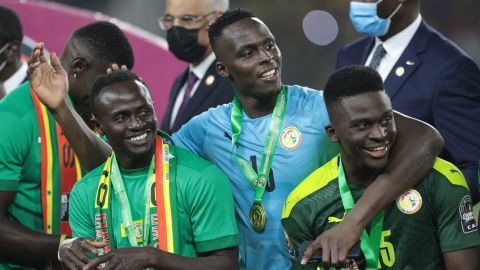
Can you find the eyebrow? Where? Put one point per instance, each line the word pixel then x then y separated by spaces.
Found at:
pixel 251 45
pixel 386 113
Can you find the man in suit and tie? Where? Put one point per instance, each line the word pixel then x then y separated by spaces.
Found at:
pixel 426 75
pixel 199 87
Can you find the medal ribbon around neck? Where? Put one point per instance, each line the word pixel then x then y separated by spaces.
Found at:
pixel 161 216
pixel 370 244
pixel 260 180
pixel 121 196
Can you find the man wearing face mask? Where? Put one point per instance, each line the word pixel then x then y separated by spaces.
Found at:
pixel 199 87
pixel 425 74
pixel 12 71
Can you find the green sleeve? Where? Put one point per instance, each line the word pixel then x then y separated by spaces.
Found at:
pixel 297 230
pixel 209 200
pixel 14 146
pixel 452 206
pixel 79 208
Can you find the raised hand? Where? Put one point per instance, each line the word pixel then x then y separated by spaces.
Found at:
pixel 49 81
pixel 73 254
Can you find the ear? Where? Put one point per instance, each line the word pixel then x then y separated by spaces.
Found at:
pixel 78 66
pixel 97 126
pixel 15 47
pixel 222 69
pixel 331 133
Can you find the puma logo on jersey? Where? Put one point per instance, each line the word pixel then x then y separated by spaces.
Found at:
pixel 335 219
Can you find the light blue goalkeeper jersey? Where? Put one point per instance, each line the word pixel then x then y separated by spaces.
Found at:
pixel 302 147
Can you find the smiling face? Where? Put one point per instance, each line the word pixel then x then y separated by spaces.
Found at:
pixel 246 51
pixel 124 113
pixel 364 127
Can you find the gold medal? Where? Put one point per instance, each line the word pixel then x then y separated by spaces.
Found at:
pixel 258 217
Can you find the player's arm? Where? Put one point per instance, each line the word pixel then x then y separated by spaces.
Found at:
pixel 467 259
pixel 19 244
pixel 416 147
pixel 50 83
pixel 140 258
pixel 417 144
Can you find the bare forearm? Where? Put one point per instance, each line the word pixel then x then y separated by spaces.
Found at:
pixel 226 259
pixel 22 245
pixel 466 259
pixel 89 148
pixel 411 159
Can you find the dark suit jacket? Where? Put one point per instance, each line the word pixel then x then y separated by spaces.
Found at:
pixel 206 96
pixel 441 86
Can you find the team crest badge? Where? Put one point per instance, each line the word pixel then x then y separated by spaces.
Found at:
pixel 466 214
pixel 409 202
pixel 138 229
pixel 290 138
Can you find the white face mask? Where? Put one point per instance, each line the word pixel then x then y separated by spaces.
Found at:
pixel 4 63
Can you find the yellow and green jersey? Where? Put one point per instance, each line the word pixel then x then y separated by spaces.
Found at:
pixel 433 218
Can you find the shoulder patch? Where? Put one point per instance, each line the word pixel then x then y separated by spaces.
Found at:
pixel 465 210
pixel 409 202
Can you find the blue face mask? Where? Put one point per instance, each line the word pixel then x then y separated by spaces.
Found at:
pixel 366 21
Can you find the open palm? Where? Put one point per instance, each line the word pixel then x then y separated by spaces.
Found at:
pixel 49 81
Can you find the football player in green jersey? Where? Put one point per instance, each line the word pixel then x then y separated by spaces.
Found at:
pixel 428 227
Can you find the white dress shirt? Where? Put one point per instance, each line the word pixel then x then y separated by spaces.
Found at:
pixel 394 47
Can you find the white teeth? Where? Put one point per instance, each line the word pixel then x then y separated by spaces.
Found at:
pixel 379 148
pixel 268 73
pixel 139 137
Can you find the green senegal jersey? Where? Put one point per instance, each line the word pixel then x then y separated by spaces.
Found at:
pixel 20 159
pixel 423 223
pixel 205 205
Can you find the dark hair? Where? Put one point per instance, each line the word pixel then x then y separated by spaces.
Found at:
pixel 107 42
pixel 351 81
pixel 109 79
pixel 228 18
pixel 10 27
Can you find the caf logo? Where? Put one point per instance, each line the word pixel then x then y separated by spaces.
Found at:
pixel 409 202
pixel 290 138
pixel 466 215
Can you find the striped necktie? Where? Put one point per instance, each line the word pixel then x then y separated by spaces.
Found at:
pixel 377 57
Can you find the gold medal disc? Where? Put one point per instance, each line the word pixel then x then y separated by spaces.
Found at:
pixel 258 217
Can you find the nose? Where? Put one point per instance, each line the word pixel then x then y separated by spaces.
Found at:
pixel 136 122
pixel 378 132
pixel 267 55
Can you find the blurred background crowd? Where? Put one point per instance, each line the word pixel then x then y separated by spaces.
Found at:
pixel 306 63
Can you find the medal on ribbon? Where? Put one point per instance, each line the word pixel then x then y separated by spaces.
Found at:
pixel 258 216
